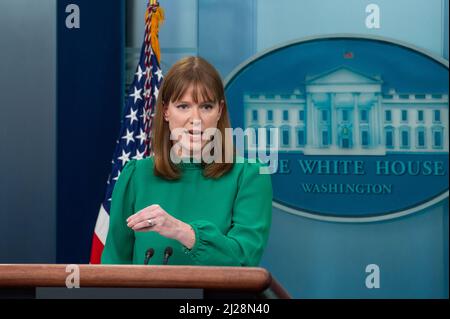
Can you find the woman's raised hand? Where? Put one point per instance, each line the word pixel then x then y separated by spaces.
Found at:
pixel 155 218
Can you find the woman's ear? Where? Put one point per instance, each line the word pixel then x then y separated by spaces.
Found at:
pixel 165 112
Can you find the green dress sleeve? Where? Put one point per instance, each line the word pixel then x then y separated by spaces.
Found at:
pixel 244 243
pixel 120 239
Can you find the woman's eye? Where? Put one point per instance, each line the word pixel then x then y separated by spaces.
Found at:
pixel 207 107
pixel 182 106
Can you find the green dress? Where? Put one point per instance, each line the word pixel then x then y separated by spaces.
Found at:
pixel 231 216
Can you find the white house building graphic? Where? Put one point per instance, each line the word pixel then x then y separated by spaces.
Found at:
pixel 345 112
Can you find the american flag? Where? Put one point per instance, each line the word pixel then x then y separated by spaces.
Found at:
pixel 134 140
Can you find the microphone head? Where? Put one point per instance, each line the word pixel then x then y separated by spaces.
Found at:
pixel 149 253
pixel 168 251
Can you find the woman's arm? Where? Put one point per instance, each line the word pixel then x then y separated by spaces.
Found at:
pixel 244 243
pixel 120 240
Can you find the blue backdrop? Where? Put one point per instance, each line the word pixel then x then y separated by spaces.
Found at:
pixel 90 95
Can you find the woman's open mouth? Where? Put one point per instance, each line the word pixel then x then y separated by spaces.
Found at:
pixel 195 135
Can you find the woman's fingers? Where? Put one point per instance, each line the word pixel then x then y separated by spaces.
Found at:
pixel 142 215
pixel 153 218
pixel 143 211
pixel 142 226
pixel 160 222
pixel 146 225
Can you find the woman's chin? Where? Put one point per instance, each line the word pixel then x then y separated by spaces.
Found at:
pixel 192 148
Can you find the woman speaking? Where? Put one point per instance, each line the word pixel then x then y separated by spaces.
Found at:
pixel 208 212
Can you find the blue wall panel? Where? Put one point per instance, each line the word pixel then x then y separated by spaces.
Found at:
pixel 316 259
pixel 28 131
pixel 227 32
pixel 90 95
pixel 419 22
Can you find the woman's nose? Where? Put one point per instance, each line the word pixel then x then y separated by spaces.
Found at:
pixel 195 114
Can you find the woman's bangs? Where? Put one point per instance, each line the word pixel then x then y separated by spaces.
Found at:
pixel 202 91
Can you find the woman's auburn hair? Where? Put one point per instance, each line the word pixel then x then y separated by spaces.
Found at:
pixel 207 85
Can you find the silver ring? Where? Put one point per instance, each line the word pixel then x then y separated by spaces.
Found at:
pixel 150 222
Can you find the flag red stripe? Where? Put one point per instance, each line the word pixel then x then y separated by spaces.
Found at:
pixel 96 250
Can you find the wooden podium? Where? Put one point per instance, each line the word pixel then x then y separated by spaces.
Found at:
pixel 22 280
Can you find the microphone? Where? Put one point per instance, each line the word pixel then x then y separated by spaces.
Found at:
pixel 167 253
pixel 148 254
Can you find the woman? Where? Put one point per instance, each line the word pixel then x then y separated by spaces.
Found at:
pixel 216 213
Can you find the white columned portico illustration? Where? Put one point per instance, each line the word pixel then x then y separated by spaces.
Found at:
pixel 357 135
pixel 334 121
pixel 345 112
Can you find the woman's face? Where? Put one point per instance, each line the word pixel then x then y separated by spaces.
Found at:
pixel 189 120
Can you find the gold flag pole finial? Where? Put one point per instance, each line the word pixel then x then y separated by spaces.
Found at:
pixel 154 16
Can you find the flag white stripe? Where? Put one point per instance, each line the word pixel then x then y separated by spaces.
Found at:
pixel 102 225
